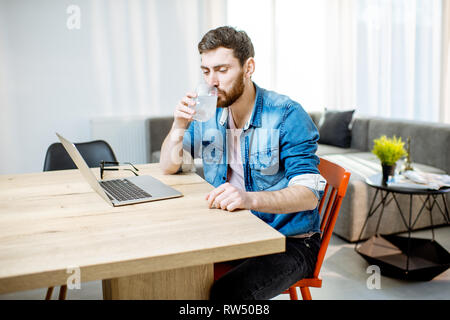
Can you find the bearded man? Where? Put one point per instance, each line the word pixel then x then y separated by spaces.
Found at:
pixel 259 154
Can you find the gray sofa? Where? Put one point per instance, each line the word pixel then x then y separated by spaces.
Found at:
pixel 430 152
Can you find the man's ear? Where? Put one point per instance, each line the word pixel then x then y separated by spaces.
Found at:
pixel 249 67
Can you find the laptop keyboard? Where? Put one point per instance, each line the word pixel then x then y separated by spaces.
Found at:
pixel 124 190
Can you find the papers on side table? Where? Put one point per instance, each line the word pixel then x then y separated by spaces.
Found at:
pixel 420 180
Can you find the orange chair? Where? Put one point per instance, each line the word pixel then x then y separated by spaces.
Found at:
pixel 337 182
pixel 335 189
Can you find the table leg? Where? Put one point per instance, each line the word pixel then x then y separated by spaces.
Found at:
pixel 446 208
pixel 446 214
pixel 409 234
pixel 383 205
pixel 431 215
pixel 191 283
pixel 369 214
pixel 425 205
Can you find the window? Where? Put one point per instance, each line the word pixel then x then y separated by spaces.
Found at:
pixel 381 57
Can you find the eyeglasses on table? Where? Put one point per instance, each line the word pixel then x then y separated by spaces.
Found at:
pixel 104 167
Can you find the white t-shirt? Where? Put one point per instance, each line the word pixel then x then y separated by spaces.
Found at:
pixel 235 174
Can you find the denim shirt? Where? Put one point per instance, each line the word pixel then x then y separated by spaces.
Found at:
pixel 278 143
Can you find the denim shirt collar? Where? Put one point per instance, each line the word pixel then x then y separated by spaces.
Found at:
pixel 255 119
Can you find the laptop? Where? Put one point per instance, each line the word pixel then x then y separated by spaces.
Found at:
pixel 120 192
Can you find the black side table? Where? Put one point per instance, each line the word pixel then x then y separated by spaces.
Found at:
pixel 404 257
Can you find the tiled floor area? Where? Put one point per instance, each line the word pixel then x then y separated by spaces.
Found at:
pixel 344 277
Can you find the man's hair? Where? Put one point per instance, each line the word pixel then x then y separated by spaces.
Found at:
pixel 230 38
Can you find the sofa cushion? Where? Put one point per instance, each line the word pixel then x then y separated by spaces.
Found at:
pixel 159 128
pixel 325 149
pixel 334 128
pixel 315 116
pixel 155 156
pixel 360 128
pixel 430 142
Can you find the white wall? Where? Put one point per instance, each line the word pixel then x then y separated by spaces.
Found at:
pixel 129 58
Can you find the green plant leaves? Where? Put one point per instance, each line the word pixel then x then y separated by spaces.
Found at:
pixel 389 150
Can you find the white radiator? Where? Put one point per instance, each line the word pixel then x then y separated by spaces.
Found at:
pixel 128 137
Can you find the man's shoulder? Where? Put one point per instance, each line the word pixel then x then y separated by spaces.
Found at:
pixel 275 99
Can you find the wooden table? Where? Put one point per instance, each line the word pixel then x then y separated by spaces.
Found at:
pixel 53 222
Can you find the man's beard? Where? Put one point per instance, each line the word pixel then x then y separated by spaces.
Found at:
pixel 230 97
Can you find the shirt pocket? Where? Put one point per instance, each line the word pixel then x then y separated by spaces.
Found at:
pixel 264 166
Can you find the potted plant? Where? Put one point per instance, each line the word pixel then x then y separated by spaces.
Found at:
pixel 389 151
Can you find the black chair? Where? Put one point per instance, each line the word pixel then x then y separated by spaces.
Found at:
pixel 57 158
pixel 93 152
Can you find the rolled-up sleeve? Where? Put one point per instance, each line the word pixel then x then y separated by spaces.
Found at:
pixel 314 182
pixel 298 146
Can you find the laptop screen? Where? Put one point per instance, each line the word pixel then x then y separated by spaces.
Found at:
pixel 84 169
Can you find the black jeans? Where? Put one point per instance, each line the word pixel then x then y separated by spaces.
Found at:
pixel 265 277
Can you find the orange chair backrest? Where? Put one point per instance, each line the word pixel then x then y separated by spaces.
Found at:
pixel 335 189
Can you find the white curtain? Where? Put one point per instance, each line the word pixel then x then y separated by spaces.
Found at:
pixel 398 58
pixel 300 39
pixel 260 28
pixel 138 46
pixel 128 58
pixel 444 114
pixel 382 57
pixel 340 55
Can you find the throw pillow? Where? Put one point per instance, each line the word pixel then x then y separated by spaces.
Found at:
pixel 334 128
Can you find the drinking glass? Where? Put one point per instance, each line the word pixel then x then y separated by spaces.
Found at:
pixel 206 102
